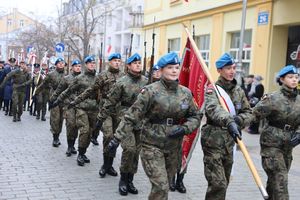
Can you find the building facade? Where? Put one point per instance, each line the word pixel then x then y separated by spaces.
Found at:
pixel 271 40
pixel 11 25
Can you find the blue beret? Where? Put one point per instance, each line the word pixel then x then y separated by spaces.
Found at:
pixel 75 62
pixel 59 59
pixel 156 67
pixel 168 59
pixel 89 59
pixel 133 58
pixel 114 56
pixel 224 60
pixel 290 69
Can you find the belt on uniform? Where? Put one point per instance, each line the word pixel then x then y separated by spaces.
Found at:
pixel 166 121
pixel 126 104
pixel 284 127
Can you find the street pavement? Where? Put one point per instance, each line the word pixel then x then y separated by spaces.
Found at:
pixel 30 168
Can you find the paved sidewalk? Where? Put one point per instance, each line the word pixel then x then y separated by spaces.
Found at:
pixel 30 168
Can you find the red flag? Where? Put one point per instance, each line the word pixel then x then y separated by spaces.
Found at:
pixel 193 77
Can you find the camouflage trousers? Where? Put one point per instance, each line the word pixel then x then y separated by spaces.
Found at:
pixel 217 169
pixel 56 120
pixel 131 151
pixel 41 103
pixel 277 167
pixel 86 123
pixel 160 167
pixel 108 129
pixel 18 98
pixel 71 128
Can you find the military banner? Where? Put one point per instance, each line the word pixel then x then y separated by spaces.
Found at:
pixel 192 77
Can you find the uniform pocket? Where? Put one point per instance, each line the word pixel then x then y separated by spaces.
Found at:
pixel 147 157
pixel 271 164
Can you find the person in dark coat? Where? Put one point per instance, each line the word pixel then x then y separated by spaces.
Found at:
pixel 1 91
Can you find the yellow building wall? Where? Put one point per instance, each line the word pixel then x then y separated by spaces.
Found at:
pixel 286 12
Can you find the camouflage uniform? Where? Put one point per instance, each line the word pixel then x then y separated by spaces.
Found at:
pixel 86 111
pixel 125 91
pixel 103 84
pixel 42 98
pixel 69 114
pixel 51 81
pixel 281 109
pixel 20 79
pixel 217 144
pixel 162 106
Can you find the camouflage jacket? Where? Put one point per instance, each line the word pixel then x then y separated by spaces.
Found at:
pixel 51 81
pixel 214 132
pixel 123 92
pixel 63 85
pixel 279 108
pixel 78 86
pixel 38 81
pixel 104 82
pixel 20 79
pixel 162 106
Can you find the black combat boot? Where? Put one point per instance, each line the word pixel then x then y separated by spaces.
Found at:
pixel 14 118
pixel 172 185
pixel 56 141
pixel 43 115
pixel 81 152
pixel 73 150
pixel 94 140
pixel 130 187
pixel 110 169
pixel 104 167
pixel 34 112
pixel 38 115
pixel 18 118
pixel 179 183
pixel 6 112
pixel 69 150
pixel 123 184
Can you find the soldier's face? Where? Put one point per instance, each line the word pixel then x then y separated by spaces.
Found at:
pixel 60 65
pixel 115 63
pixel 91 65
pixel 23 66
pixel 135 66
pixel 156 74
pixel 77 68
pixel 290 80
pixel 171 72
pixel 228 72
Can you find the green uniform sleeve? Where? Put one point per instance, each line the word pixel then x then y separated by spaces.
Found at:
pixel 245 113
pixel 67 92
pixel 194 117
pixel 60 88
pixel 114 97
pixel 7 77
pixel 45 84
pixel 89 91
pixel 133 115
pixel 215 111
pixel 263 108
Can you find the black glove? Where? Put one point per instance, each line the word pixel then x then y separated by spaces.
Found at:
pixel 54 104
pixel 234 131
pixel 71 104
pixel 177 132
pixel 112 146
pixel 295 140
pixel 99 124
pixel 238 121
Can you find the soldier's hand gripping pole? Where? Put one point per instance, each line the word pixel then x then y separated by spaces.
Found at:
pixel 240 142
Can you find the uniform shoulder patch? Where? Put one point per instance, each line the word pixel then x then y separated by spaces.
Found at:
pixel 210 89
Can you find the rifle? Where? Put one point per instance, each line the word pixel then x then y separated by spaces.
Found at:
pixel 194 36
pixel 145 58
pixel 152 54
pixel 129 53
pixel 100 58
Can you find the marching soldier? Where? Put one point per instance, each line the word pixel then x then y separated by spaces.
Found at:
pixel 168 112
pixel 20 79
pixel 125 91
pixel 222 130
pixel 156 74
pixel 86 111
pixel 69 114
pixel 1 91
pixel 36 72
pixel 281 133
pixel 103 84
pixel 51 82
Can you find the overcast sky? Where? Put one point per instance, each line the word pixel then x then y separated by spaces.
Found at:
pixel 40 9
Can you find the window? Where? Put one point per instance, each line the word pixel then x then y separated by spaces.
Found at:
pixel 9 22
pixel 203 43
pixel 21 23
pixel 174 45
pixel 234 49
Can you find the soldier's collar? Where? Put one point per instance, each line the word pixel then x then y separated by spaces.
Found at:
pixel 289 92
pixel 171 85
pixel 134 76
pixel 113 70
pixel 227 85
